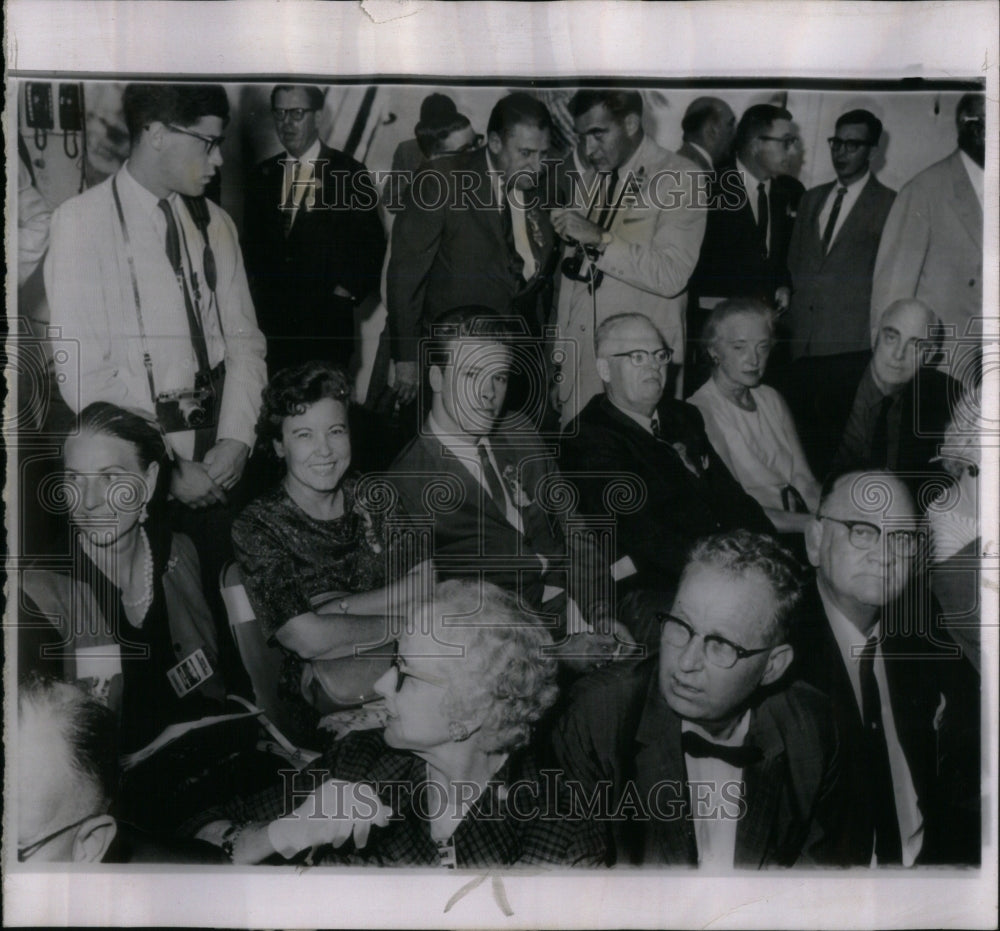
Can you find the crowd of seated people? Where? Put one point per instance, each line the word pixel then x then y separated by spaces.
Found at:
pixel 663 632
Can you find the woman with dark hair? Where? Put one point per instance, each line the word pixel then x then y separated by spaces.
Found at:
pixel 749 423
pixel 135 626
pixel 312 554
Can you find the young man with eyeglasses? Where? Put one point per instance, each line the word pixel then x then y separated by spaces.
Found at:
pixel 831 258
pixel 154 295
pixel 643 461
pixel 932 245
pixel 905 700
pixel 753 207
pixel 312 235
pixel 712 760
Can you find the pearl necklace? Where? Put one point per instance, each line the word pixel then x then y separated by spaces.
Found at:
pixel 147 576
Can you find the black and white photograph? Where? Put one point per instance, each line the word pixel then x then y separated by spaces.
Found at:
pixel 501 465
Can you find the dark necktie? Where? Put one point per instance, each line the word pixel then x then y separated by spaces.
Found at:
pixel 507 221
pixel 607 215
pixel 832 222
pixel 882 798
pixel 288 208
pixel 173 247
pixel 492 478
pixel 693 744
pixel 762 216
pixel 880 436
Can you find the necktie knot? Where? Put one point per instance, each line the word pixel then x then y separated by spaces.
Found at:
pixel 694 745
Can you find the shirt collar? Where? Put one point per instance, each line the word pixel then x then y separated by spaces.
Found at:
pixel 750 181
pixel 849 638
pixel 736 739
pixel 131 188
pixel 855 185
pixel 310 155
pixel 645 422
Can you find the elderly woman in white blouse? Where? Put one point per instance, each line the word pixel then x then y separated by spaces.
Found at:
pixel 749 423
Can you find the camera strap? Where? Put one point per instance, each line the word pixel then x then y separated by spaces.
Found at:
pixel 147 359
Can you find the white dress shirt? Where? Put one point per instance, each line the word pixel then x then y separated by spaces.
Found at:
pixel 716 814
pixel 975 173
pixel 846 205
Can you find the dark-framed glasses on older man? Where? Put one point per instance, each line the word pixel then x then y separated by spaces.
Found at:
pixel 864 535
pixel 718 650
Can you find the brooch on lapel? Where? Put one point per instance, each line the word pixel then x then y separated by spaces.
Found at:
pixel 517 493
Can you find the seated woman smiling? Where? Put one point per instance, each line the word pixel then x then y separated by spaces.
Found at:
pixel 451 780
pixel 313 556
pixel 749 423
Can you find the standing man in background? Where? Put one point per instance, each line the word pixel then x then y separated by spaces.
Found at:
pixel 709 126
pixel 932 246
pixel 634 239
pixel 831 258
pixel 314 242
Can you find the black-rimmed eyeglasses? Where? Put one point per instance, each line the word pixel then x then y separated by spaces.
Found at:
pixel 864 535
pixel 211 143
pixel 403 674
pixel 295 114
pixel 719 651
pixel 641 357
pixel 850 146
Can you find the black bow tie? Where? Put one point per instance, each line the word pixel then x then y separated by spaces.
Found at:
pixel 695 745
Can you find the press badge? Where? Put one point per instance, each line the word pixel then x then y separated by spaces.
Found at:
pixel 189 673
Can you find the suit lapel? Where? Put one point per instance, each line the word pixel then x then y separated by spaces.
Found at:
pixel 763 784
pixel 659 757
pixel 964 202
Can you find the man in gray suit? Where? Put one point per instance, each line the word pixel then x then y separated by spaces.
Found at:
pixel 831 258
pixel 932 247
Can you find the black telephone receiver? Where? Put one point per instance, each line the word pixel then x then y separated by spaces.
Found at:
pixel 198 208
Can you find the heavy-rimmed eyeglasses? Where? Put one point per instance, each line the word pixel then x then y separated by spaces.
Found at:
pixel 295 114
pixel 850 146
pixel 403 674
pixel 211 143
pixel 641 357
pixel 718 650
pixel 864 535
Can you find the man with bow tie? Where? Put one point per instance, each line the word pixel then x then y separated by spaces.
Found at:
pixel 679 489
pixel 485 490
pixel 473 231
pixel 709 759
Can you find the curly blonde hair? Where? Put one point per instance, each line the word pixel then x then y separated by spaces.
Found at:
pixel 504 668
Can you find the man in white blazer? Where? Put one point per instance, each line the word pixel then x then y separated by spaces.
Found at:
pixel 932 244
pixel 634 232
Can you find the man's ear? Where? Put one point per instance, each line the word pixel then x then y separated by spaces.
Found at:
pixel 495 142
pixel 603 369
pixel 93 838
pixel 632 123
pixel 813 538
pixel 778 661
pixel 434 374
pixel 155 132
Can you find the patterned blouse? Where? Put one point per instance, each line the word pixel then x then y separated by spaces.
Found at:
pixel 288 558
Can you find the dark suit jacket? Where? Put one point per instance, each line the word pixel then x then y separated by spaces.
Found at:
pixel 926 410
pixel 832 291
pixel 943 758
pixel 660 507
pixel 732 262
pixel 471 534
pixel 620 731
pixel 292 279
pixel 449 249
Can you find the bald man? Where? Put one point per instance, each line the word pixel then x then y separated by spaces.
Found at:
pixel 902 404
pixel 709 126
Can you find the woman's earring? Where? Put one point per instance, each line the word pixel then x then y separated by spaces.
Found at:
pixel 458 731
pixel 143 513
